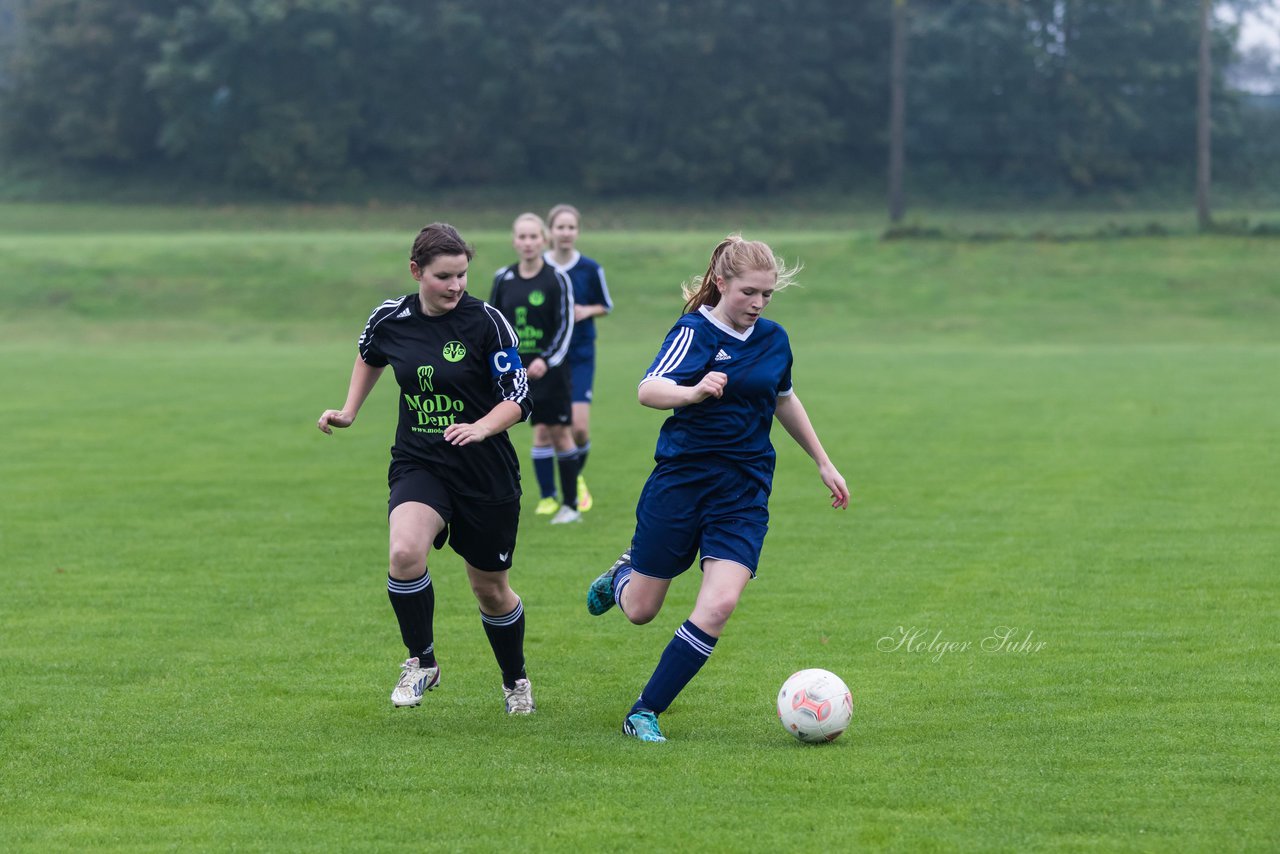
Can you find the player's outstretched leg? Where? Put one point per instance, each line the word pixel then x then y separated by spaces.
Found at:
pixel 603 592
pixel 415 680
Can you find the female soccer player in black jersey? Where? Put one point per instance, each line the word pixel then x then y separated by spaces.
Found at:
pixel 538 300
pixel 454 474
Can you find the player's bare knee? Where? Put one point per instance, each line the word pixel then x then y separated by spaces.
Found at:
pixel 493 598
pixel 712 616
pixel 406 562
pixel 639 615
pixel 640 619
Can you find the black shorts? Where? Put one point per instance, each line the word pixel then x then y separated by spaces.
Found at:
pixel 552 396
pixel 482 533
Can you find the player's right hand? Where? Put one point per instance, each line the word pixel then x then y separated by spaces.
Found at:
pixel 334 418
pixel 712 385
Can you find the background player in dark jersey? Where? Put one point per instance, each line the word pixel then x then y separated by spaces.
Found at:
pixel 454 474
pixel 538 300
pixel 590 300
pixel 726 373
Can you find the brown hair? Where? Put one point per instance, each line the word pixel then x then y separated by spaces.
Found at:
pixel 734 257
pixel 438 239
pixel 559 209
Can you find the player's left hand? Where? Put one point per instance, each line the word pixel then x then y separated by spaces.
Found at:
pixel 465 434
pixel 835 483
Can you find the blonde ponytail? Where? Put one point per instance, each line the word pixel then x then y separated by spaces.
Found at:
pixel 734 257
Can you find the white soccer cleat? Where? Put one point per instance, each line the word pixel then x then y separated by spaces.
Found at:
pixel 565 515
pixel 414 682
pixel 520 698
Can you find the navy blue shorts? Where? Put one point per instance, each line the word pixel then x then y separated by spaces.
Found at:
pixel 685 510
pixel 483 534
pixel 583 368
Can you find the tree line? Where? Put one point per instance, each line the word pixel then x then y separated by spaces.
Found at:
pixel 706 96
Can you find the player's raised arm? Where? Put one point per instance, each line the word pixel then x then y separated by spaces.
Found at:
pixel 659 394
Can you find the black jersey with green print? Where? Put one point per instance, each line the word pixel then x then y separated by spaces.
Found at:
pixel 540 308
pixel 451 369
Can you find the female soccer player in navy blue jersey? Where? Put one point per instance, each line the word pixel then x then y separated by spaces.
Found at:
pixel 590 300
pixel 454 475
pixel 726 373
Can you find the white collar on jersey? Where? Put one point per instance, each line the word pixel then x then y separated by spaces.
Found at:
pixel 727 330
pixel 550 259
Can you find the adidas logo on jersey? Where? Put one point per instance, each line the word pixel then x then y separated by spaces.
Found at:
pixel 403 313
pixel 722 356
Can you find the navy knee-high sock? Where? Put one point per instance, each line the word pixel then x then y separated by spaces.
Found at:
pixel 620 581
pixel 414 602
pixel 544 469
pixel 680 662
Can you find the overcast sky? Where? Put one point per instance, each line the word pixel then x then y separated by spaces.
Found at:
pixel 1259 31
pixel 1262 27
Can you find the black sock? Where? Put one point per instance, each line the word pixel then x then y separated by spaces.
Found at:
pixel 583 450
pixel 414 602
pixel 568 465
pixel 506 636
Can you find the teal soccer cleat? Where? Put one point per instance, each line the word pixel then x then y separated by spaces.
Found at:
pixel 600 593
pixel 643 725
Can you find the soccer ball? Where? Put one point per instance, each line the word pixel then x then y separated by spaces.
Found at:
pixel 815 705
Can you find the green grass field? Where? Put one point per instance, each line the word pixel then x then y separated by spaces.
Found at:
pixel 1074 441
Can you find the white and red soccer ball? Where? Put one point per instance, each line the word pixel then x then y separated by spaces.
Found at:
pixel 815 705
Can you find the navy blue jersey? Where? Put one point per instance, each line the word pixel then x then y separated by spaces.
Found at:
pixel 451 369
pixel 589 288
pixel 734 428
pixel 540 308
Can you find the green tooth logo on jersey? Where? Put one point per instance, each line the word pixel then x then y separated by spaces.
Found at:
pixel 424 377
pixel 536 298
pixel 454 351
